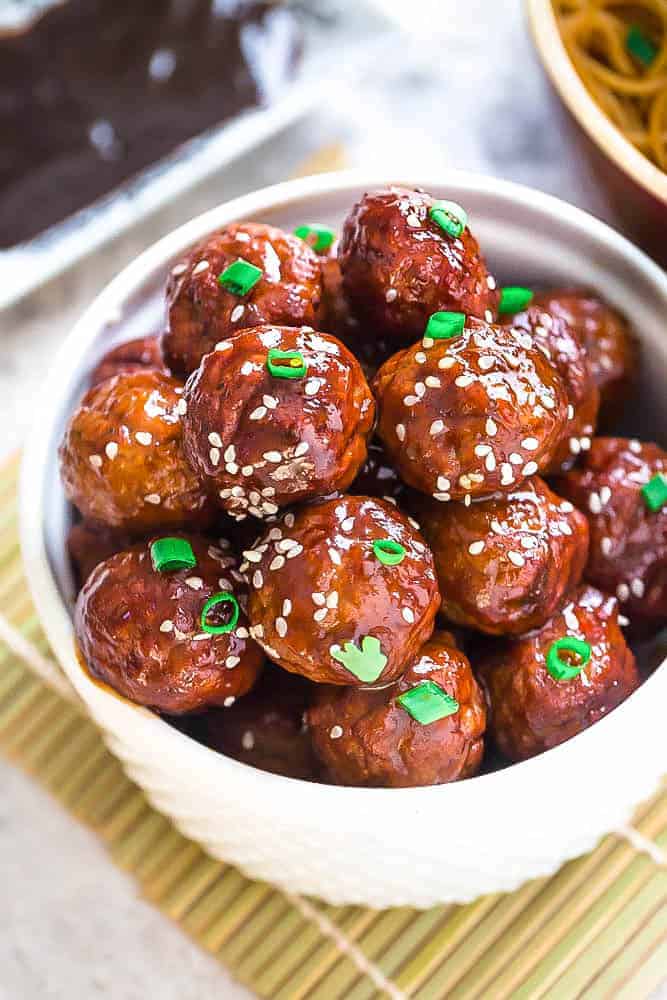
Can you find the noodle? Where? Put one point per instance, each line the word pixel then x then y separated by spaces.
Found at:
pixel 619 49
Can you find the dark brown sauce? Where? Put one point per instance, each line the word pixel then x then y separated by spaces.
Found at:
pixel 96 90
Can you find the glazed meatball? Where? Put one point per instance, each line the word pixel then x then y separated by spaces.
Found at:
pixel 142 631
pixel 472 414
pixel 611 345
pixel 121 459
pixel 263 439
pixel 628 551
pixel 265 729
pixel 400 265
pixel 506 564
pixel 133 356
pixel 343 591
pixel 378 477
pixel 565 350
pixel 275 278
pixel 426 729
pixel 337 317
pixel 90 544
pixel 534 706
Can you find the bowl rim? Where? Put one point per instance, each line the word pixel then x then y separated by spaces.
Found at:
pixel 52 608
pixel 574 95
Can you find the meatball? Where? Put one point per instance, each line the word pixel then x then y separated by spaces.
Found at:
pixel 540 694
pixel 506 564
pixel 121 459
pixel 265 729
pixel 264 434
pixel 611 345
pixel 426 729
pixel 400 263
pixel 144 630
pixel 246 275
pixel 337 317
pixel 343 591
pixel 628 524
pixel 133 356
pixel 90 544
pixel 470 414
pixel 561 344
pixel 378 477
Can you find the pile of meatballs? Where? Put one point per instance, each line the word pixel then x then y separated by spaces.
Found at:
pixel 348 516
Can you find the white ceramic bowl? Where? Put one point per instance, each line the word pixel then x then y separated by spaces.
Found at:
pixel 380 847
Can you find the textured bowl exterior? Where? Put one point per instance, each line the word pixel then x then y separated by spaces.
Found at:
pixel 378 847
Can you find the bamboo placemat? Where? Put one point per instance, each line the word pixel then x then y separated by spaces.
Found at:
pixel 598 928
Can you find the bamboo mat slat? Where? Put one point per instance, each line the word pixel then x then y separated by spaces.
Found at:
pixel 597 929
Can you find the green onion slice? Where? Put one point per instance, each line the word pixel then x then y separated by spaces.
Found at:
pixel 427 702
pixel 240 277
pixel 449 216
pixel 286 364
pixel 169 554
pixel 389 552
pixel 640 45
pixel 562 670
pixel 318 237
pixel 445 325
pixel 222 597
pixel 654 492
pixel 514 298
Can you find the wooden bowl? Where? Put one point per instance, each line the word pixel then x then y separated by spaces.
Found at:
pixel 636 187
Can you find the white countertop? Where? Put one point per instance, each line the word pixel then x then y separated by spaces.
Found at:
pixel 472 96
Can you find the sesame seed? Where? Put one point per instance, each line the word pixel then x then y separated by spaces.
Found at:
pixel 491 427
pixel 420 389
pixel 318 598
pixel 575 446
pixel 482 449
pixel 467 500
pixel 490 282
pixel 530 468
pixel 637 587
pixel 566 507
pixel 516 558
pixel 257 631
pixel 528 542
pixel 594 504
pixel 167 625
pixel 199 268
pixel 635 446
pixel 194 582
pixel 428 342
pixel 391 295
pixel 347 524
pixel 334 555
pixel 269 508
pixel 570 411
pixel 623 621
pixel 301 449
pixel 516 459
pixel 178 270
pixel 476 547
pixel 413 221
pixel 605 494
pixel 420 357
pixel 232 468
pixel 270 402
pixel 490 462
pixel 336 732
pixel 277 563
pixel 230 452
pixel 247 470
pixel 272 456
pixel 237 312
pixel 252 556
pixel 486 362
pixel 488 316
pixel 289 520
pixel 408 615
pixel 223 345
pixel 248 740
pixel 606 545
pixel 432 381
pixel 506 474
pixel 215 439
pixel 400 432
pixel 228 702
pixel 332 599
pixel 285 544
pixel 443 483
pixel 259 413
pixel 530 444
pixel 411 400
pixel 247 367
pixel 437 427
pixel 153 498
pixel 281 627
pixel 623 592
pixel 111 449
pixel 320 614
pixel 446 362
pixel 585 443
pixel 462 381
pixel 287 607
pixel 257 579
pixel 96 461
pixel 214 455
pixel 311 386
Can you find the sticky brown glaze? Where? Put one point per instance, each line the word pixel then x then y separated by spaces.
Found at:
pixel 610 343
pixel 140 631
pixel 530 710
pixel 562 345
pixel 90 544
pixel 121 458
pixel 628 550
pixel 200 312
pixel 265 729
pixel 364 736
pixel 317 585
pixel 378 477
pixel 133 356
pixel 262 442
pixel 471 415
pixel 506 564
pixel 399 266
pixel 337 317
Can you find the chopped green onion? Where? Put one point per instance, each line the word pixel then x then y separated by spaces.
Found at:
pixel 427 702
pixel 389 552
pixel 560 669
pixel 513 298
pixel 240 277
pixel 286 364
pixel 318 237
pixel 640 45
pixel 445 325
pixel 449 216
pixel 222 597
pixel 365 662
pixel 655 492
pixel 169 554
